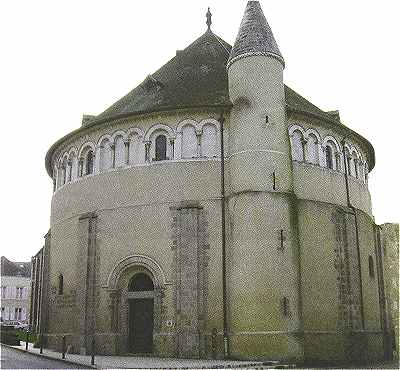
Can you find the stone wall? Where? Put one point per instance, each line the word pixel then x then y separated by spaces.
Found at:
pixel 390 245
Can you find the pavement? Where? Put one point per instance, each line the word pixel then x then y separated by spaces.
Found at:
pixel 133 362
pixel 16 359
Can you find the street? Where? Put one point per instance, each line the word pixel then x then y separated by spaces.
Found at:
pixel 15 359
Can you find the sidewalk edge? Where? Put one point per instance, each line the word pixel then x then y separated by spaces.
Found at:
pixel 50 357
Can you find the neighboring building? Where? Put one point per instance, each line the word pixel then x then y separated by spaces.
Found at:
pixel 15 290
pixel 145 253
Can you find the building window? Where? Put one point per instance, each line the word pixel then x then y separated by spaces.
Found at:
pixel 17 313
pixel 3 292
pixel 329 157
pixel 19 292
pixel 161 148
pixel 89 163
pixel 140 282
pixel 298 143
pixel 371 267
pixel 285 306
pixel 60 284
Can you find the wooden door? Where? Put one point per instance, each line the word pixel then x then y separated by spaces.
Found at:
pixel 141 323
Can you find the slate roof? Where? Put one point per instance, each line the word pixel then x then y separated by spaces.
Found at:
pixel 195 77
pixel 9 268
pixel 255 36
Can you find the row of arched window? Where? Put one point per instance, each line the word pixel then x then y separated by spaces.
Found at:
pixel 308 146
pixel 189 140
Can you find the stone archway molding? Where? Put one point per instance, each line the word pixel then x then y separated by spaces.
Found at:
pixel 137 260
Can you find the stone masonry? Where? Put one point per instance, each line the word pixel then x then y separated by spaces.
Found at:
pixel 190 280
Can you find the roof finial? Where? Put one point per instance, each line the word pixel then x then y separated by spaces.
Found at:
pixel 208 15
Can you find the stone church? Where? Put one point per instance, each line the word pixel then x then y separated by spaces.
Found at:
pixel 214 212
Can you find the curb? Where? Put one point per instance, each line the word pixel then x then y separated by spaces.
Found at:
pixel 257 365
pixel 50 357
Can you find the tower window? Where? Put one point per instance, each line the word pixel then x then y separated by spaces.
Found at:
pixel 60 284
pixel 89 163
pixel 285 306
pixel 371 267
pixel 329 157
pixel 161 148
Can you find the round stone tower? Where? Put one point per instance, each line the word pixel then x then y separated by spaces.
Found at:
pixel 263 296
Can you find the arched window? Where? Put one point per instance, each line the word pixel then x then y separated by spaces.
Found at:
pixel 135 148
pixel 161 148
pixel 189 142
pixel 74 167
pixel 329 157
pixel 119 151
pixel 209 145
pixel 371 267
pixel 312 149
pixel 297 146
pixel 140 282
pixel 105 160
pixel 60 284
pixel 89 163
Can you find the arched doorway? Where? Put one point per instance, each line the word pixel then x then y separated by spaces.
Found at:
pixel 141 317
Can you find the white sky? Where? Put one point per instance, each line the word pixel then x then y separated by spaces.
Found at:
pixel 61 59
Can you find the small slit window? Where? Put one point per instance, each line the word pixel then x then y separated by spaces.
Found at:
pixel 371 267
pixel 60 284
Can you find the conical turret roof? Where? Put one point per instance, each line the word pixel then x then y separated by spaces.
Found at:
pixel 255 36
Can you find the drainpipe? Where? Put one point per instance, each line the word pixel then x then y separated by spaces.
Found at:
pixel 356 229
pixel 221 121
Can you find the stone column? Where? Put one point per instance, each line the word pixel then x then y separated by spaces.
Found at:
pixel 127 149
pixel 303 144
pixel 198 137
pixel 80 167
pixel 70 170
pixel 147 145
pixel 114 310
pixel 172 143
pixel 112 146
